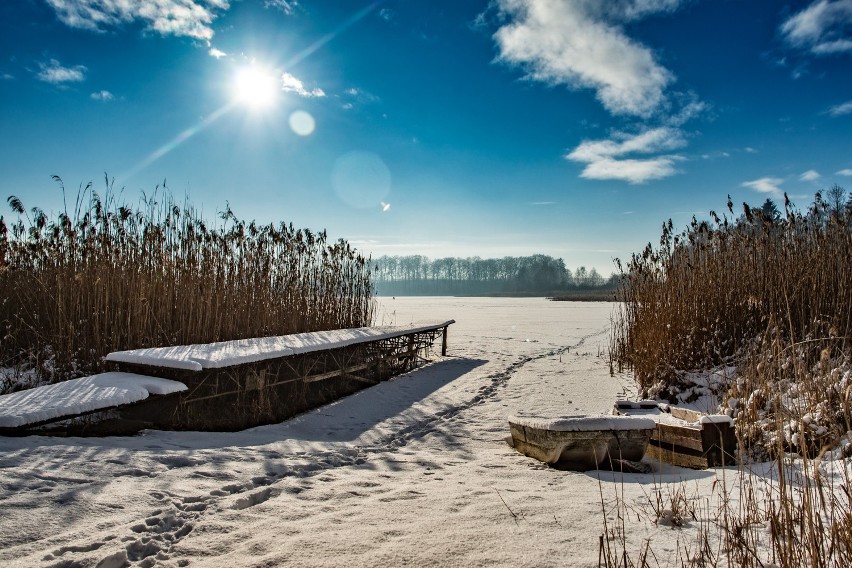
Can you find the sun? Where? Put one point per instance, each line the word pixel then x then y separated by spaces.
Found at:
pixel 255 87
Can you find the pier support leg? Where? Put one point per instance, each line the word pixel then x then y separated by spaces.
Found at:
pixel 444 343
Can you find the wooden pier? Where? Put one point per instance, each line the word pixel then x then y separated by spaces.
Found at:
pixel 313 372
pixel 233 385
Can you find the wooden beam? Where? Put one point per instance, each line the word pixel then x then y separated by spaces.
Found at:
pixel 336 373
pixel 359 379
pixel 444 342
pixel 681 436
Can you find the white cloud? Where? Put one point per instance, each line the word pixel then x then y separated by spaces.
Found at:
pixel 823 27
pixel 649 141
pixel 765 185
pixel 810 175
pixel 291 84
pixel 286 6
pixel 102 96
pixel 841 109
pixel 360 96
pixel 845 172
pixel 54 72
pixel 191 18
pixel 217 53
pixel 610 159
pixel 6 76
pixel 836 46
pixel 631 170
pixel 582 44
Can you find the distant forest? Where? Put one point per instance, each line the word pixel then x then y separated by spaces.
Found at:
pixel 535 275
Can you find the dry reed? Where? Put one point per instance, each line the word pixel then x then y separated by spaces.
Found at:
pixel 106 276
pixel 744 292
pixel 772 295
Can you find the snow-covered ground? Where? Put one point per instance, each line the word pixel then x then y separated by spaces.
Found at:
pixel 414 471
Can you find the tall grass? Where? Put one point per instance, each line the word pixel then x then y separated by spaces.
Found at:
pixel 770 294
pixel 106 276
pixel 785 515
pixel 710 294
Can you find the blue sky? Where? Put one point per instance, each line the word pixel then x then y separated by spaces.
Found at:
pixel 442 128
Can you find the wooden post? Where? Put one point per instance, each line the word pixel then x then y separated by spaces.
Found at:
pixel 444 342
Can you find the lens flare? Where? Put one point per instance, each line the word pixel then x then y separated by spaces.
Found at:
pixel 302 123
pixel 361 179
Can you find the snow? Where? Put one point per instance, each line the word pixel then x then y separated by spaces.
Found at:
pixel 660 413
pixel 716 419
pixel 78 396
pixel 582 423
pixel 229 353
pixel 415 471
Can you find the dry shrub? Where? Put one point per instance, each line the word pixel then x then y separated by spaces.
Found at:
pixel 107 276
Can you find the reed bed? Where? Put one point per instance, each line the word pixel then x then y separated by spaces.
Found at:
pixel 106 276
pixel 789 514
pixel 770 295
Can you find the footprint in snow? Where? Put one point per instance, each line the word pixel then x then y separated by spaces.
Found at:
pixel 253 499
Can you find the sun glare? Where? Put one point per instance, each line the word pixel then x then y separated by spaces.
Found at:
pixel 254 87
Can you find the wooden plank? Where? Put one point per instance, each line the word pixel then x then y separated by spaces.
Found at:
pixel 444 343
pixel 336 373
pixel 675 457
pixel 685 414
pixel 679 436
pixel 359 379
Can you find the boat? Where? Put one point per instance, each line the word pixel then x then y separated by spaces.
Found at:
pixel 582 443
pixel 685 437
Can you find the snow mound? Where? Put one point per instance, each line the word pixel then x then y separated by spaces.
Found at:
pixel 78 396
pixel 229 353
pixel 582 423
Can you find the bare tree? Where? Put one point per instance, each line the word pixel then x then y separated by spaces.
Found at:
pixel 835 197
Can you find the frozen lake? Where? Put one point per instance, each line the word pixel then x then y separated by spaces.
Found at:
pixel 413 471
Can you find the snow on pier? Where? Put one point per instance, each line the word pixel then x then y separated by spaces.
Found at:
pixel 241 351
pixel 80 396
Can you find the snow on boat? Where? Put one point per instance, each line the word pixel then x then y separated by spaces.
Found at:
pixel 581 442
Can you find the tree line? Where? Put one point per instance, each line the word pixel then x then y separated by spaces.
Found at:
pixel 539 274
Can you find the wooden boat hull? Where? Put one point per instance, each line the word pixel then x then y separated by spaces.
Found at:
pixel 580 450
pixel 686 438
